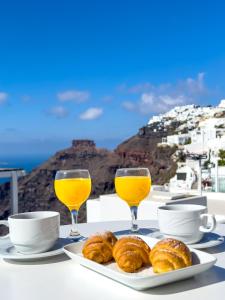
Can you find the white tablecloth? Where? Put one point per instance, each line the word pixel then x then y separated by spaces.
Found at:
pixel 60 278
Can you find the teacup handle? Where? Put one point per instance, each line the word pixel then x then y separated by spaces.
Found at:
pixel 6 223
pixel 211 219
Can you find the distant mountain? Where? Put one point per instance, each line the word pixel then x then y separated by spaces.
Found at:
pixel 36 189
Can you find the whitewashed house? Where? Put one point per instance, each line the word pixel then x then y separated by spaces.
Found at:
pixel 207 135
pixel 176 139
pixel 216 144
pixel 183 180
pixel 222 103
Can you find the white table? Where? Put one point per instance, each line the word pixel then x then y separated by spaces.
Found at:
pixel 60 278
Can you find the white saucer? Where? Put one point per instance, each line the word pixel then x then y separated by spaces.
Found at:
pixel 209 240
pixel 8 251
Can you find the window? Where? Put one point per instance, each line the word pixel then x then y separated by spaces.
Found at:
pixel 181 176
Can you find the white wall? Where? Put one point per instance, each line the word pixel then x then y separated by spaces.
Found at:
pixel 112 208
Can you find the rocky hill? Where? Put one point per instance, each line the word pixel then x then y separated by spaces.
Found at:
pixel 36 189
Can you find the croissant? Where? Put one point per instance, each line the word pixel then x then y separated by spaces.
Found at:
pixel 170 254
pixel 99 247
pixel 131 253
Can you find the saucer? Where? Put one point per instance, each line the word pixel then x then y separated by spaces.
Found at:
pixel 209 240
pixel 8 251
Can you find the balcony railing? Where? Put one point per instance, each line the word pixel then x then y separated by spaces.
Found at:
pixel 13 174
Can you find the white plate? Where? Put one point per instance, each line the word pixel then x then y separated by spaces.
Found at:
pixel 145 278
pixel 8 251
pixel 209 240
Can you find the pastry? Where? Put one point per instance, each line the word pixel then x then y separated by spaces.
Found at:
pixel 170 254
pixel 131 253
pixel 99 247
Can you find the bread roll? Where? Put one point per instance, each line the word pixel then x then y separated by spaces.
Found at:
pixel 170 254
pixel 131 253
pixel 99 247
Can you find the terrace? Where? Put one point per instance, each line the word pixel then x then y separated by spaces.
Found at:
pixel 59 277
pixel 53 274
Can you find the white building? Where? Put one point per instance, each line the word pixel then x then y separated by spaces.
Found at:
pixel 183 180
pixel 206 133
pixel 176 139
pixel 207 136
pixel 197 148
pixel 222 103
pixel 216 144
pixel 189 114
pixel 155 119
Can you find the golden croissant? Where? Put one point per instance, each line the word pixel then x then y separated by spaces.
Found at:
pixel 131 253
pixel 170 254
pixel 99 247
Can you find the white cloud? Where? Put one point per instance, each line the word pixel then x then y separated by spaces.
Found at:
pixel 91 113
pixel 128 105
pixel 196 85
pixel 74 96
pixel 3 97
pixel 58 112
pixel 153 103
pixel 189 85
pixel 147 99
pixel 157 103
pixel 193 87
pixel 168 100
pixel 163 97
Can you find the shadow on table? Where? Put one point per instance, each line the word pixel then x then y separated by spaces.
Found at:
pixel 214 275
pixel 217 249
pixel 44 261
pixel 142 231
pixel 51 259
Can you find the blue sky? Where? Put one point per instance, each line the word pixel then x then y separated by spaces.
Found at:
pixel 100 69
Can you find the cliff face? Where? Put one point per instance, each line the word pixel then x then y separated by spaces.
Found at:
pixel 36 189
pixel 141 151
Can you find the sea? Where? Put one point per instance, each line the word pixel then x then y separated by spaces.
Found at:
pixel 26 162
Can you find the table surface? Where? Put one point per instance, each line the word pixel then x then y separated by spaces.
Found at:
pixel 61 278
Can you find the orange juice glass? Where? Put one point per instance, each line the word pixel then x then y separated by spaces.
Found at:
pixel 133 185
pixel 72 188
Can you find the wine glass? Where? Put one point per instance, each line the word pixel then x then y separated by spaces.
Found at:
pixel 133 185
pixel 72 188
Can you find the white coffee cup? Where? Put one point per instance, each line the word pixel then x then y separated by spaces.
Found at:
pixel 185 222
pixel 33 232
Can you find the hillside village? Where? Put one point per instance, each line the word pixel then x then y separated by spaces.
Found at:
pixel 199 135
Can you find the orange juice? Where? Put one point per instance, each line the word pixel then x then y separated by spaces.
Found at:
pixel 73 192
pixel 133 189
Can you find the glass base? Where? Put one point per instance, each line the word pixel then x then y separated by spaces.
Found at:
pixel 141 231
pixel 135 228
pixel 74 233
pixel 76 236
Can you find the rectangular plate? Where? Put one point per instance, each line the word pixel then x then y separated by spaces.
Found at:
pixel 145 278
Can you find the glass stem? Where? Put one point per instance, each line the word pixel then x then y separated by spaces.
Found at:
pixel 134 225
pixel 74 216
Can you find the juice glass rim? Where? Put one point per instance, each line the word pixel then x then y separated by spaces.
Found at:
pixel 73 170
pixel 120 170
pixel 141 168
pixel 72 173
